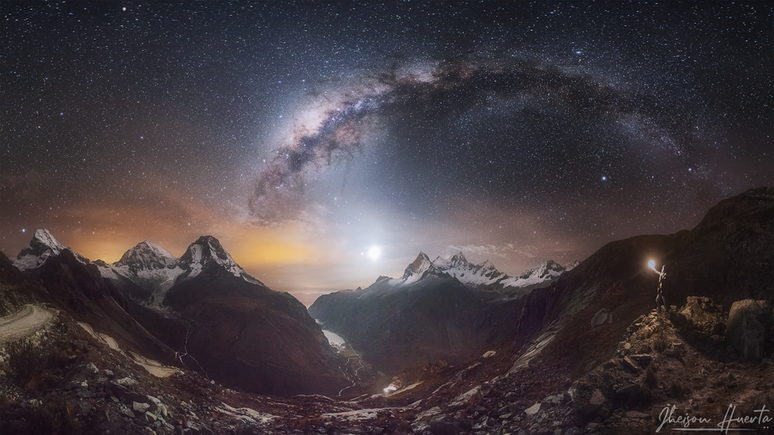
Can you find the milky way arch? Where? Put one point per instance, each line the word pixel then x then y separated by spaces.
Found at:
pixel 454 92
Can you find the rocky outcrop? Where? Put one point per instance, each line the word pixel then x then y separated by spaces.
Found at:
pixel 749 323
pixel 668 359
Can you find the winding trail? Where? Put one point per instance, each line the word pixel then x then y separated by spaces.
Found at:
pixel 24 322
pixel 358 358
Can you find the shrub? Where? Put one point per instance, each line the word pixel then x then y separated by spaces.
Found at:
pixel 32 365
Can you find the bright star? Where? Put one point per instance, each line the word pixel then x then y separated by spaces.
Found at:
pixel 604 178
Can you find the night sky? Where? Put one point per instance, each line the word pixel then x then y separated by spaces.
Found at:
pixel 327 143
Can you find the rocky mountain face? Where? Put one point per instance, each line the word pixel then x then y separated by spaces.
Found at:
pixel 201 311
pixel 446 309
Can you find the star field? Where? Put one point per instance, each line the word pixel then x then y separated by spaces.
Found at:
pixel 306 135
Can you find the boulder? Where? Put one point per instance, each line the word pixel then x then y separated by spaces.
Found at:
pixel 748 324
pixel 602 316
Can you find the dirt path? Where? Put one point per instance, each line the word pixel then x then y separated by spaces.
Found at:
pixel 24 322
pixel 153 367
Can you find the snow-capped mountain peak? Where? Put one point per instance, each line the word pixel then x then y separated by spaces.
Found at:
pixel 457 260
pixel 417 269
pixel 147 255
pixel 42 246
pixel 472 275
pixel 154 268
pixel 548 271
pixel 484 275
pixel 488 266
pixel 204 251
pixel 545 270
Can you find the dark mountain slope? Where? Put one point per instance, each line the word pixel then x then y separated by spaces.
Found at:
pixel 727 257
pixel 225 323
pixel 80 290
pixel 252 337
pixel 434 318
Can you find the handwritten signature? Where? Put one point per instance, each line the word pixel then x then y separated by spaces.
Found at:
pixel 668 416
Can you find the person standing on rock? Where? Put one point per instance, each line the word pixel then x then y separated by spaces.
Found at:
pixel 660 300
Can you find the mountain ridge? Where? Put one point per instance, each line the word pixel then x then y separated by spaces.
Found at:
pixel 203 309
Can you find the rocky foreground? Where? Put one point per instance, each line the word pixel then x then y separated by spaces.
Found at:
pixel 667 368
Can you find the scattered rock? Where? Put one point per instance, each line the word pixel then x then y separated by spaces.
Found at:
pixel 140 407
pixel 629 365
pixel 197 428
pixel 123 409
pixel 86 407
pixel 465 399
pixel 419 427
pixel 628 393
pixel 428 413
pixel 532 410
pixel 127 381
pixel 89 369
pixel 642 360
pixel 588 404
pixel 125 394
